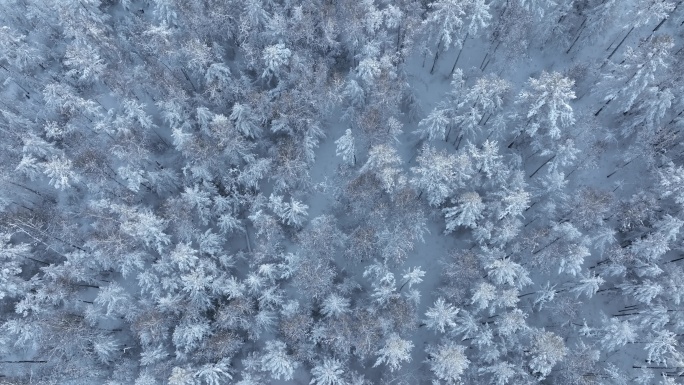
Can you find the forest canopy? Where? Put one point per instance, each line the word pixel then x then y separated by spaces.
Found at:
pixel 210 192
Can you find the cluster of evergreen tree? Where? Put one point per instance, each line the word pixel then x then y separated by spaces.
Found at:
pixel 505 204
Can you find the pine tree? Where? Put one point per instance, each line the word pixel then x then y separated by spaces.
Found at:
pixel 354 97
pixel 16 50
pixel 626 81
pixel 650 10
pixel 275 57
pixel 291 213
pixel 479 15
pixel 214 373
pixel 448 361
pixel 572 261
pixel 85 62
pixel 394 352
pixel 189 334
pixel 434 174
pixel 434 126
pixel 505 271
pixel 487 159
pixel 671 180
pixel 483 295
pixel 328 372
pixel 588 285
pixel 647 114
pixel 384 161
pixel 644 291
pixel 145 226
pixel 346 148
pixel 600 18
pixel 197 55
pixel 539 7
pixel 165 12
pixel 488 93
pixel 245 121
pixel 514 203
pixel 468 121
pixel 501 372
pixel 547 350
pixel 134 178
pixel 444 24
pixel 618 333
pixel 467 212
pixel 276 361
pixel 546 104
pixel 218 78
pixel 662 347
pixel 334 305
pixel 368 70
pixel 12 256
pixel 114 299
pixel 198 199
pixel 412 276
pixel 61 173
pixel 440 316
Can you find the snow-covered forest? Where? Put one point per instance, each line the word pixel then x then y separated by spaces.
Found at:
pixel 341 192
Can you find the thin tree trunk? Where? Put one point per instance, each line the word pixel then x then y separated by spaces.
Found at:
pixel 460 137
pixel 514 139
pixel 621 167
pixel 38 261
pixel 606 289
pixel 658 26
pixel 543 164
pixel 571 172
pixel 188 79
pixel 114 177
pixel 482 118
pixel 619 45
pixel 24 362
pixel 663 21
pixel 657 367
pixel 487 64
pixel 678 115
pixel 483 59
pixel 249 244
pixel 434 62
pixel 604 106
pixel 489 55
pixel 675 260
pixel 531 155
pixel 548 245
pixel 613 42
pixel 31 190
pixel 628 308
pixel 28 94
pixel 581 29
pixel 459 54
